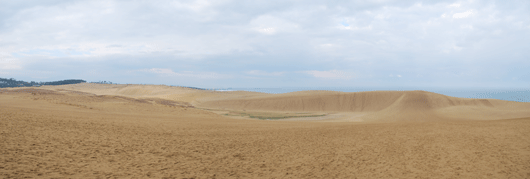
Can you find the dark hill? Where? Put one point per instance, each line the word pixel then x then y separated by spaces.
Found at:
pixel 11 82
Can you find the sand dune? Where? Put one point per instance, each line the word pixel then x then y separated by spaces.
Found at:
pixel 349 102
pixel 149 91
pixel 135 131
pixel 372 106
pixel 380 105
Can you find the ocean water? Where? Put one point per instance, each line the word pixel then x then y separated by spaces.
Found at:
pixel 520 95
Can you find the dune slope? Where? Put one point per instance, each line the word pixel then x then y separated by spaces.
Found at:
pixel 381 105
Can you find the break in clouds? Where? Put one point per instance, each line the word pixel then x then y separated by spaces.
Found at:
pixel 269 43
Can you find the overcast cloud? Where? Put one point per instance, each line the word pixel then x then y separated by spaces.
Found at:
pixel 226 43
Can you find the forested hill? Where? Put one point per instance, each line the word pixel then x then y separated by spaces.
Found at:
pixel 4 82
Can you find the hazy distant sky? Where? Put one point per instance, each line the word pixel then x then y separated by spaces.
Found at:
pixel 223 43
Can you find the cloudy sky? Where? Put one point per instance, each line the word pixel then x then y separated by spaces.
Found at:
pixel 225 43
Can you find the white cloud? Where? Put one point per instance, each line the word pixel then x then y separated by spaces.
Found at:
pixel 462 14
pixel 267 30
pixel 268 24
pixel 331 74
pixel 342 27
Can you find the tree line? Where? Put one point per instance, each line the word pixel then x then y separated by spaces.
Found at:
pixel 11 82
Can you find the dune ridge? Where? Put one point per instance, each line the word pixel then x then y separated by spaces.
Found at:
pixel 350 102
pixel 371 105
pixel 379 105
pixel 176 93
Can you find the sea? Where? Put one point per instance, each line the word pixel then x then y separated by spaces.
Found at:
pixel 519 95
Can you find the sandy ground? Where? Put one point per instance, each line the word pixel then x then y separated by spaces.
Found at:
pixel 77 132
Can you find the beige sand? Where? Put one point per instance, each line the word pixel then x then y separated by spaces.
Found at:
pixel 380 106
pixel 102 131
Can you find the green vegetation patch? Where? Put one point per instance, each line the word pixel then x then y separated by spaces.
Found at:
pixel 272 116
